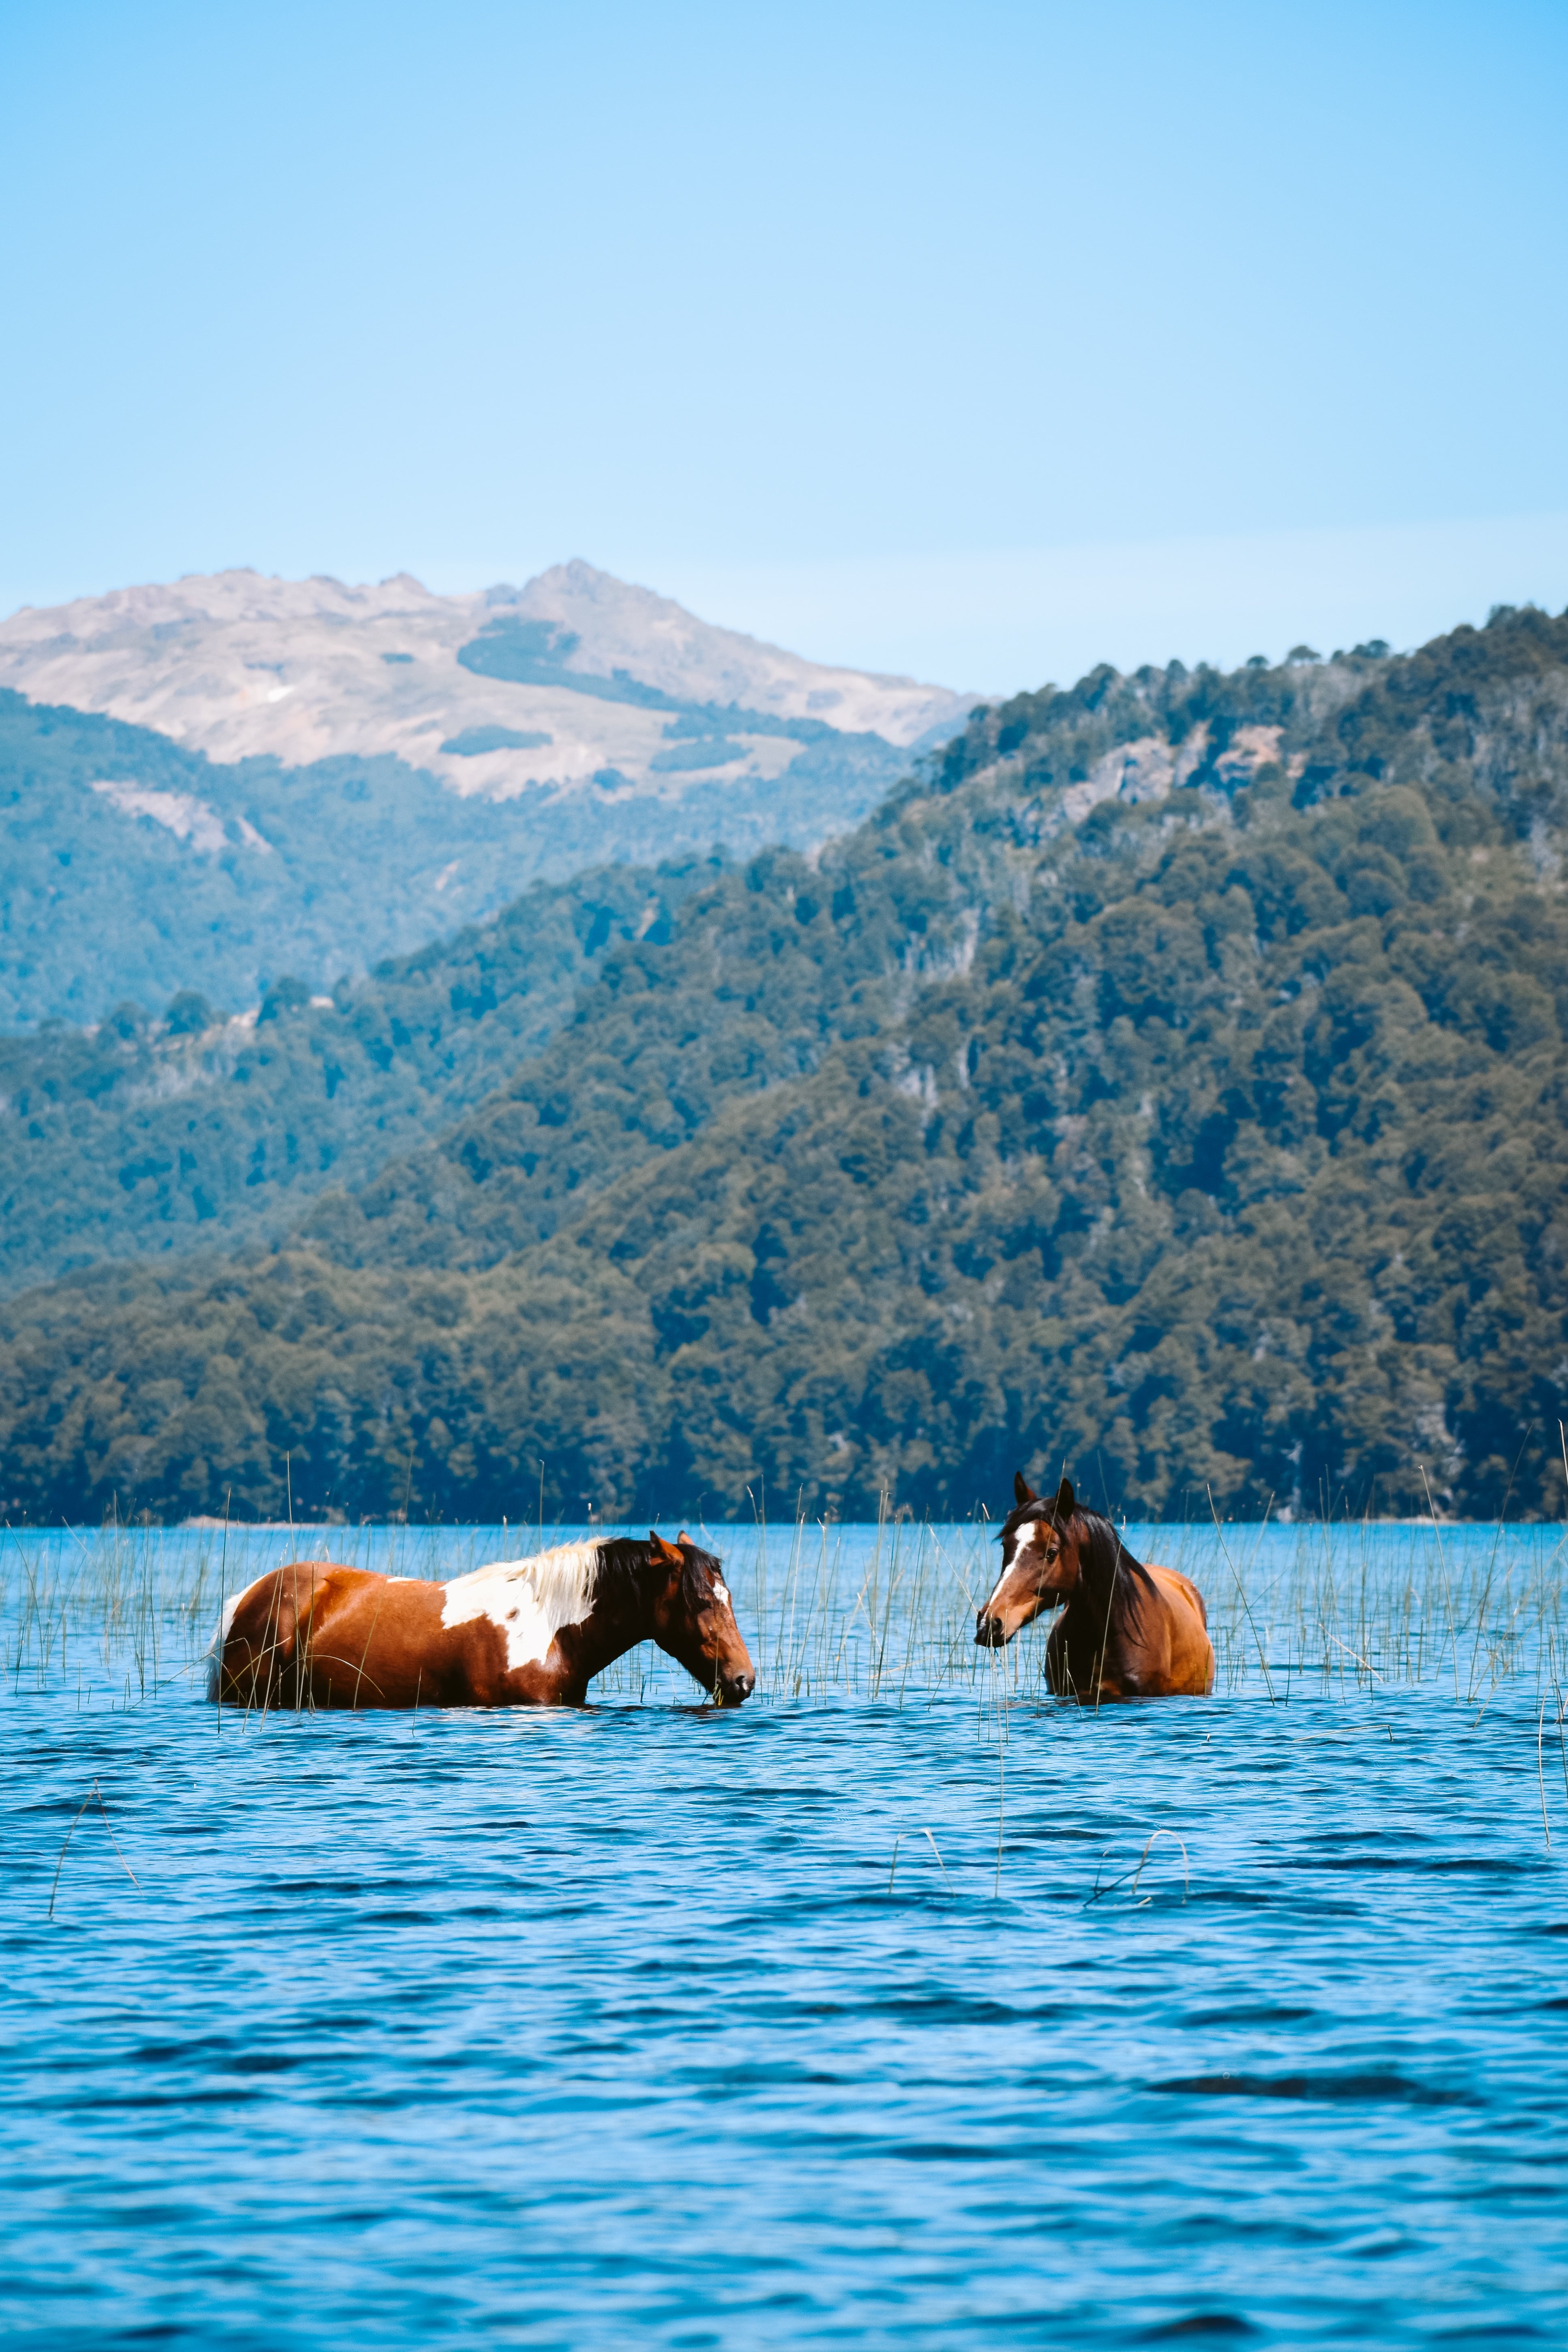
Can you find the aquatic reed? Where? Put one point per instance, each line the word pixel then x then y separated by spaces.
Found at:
pixel 876 1615
pixel 93 1797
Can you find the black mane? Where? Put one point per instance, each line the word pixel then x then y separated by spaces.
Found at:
pixel 1104 1559
pixel 621 1556
pixel 628 1556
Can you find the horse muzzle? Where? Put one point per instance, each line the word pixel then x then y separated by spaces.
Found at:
pixel 734 1690
pixel 989 1631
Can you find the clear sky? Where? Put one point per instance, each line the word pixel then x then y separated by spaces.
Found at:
pixel 981 340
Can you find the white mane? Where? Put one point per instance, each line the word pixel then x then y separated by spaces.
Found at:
pixel 529 1600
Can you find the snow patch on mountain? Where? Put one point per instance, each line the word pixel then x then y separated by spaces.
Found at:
pixel 182 814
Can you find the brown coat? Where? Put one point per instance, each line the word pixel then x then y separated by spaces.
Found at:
pixel 528 1632
pixel 1126 1630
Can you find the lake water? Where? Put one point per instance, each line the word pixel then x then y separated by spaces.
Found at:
pixel 654 2025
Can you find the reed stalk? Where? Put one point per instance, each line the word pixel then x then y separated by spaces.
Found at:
pixel 877 1616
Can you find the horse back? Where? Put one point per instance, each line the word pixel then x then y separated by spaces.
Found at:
pixel 1189 1671
pixel 1175 1581
pixel 319 1633
pixel 1160 1651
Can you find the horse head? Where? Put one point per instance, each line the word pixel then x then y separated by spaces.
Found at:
pixel 694 1619
pixel 1040 1563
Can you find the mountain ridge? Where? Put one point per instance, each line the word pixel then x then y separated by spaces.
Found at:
pixel 1211 1136
pixel 233 780
pixel 239 665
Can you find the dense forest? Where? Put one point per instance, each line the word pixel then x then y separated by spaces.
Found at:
pixel 136 870
pixel 1168 1079
pixel 147 1136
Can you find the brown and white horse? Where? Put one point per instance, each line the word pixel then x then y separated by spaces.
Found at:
pixel 521 1633
pixel 1127 1631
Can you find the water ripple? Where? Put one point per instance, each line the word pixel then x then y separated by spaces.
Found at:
pixel 626 2028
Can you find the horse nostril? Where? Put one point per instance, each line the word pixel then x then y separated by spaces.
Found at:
pixel 738 1689
pixel 989 1633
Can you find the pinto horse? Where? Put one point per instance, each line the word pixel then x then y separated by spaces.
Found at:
pixel 521 1633
pixel 1127 1631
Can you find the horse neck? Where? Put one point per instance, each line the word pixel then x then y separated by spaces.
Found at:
pixel 620 1618
pixel 1106 1570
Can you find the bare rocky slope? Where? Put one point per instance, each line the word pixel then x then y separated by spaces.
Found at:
pixel 303 670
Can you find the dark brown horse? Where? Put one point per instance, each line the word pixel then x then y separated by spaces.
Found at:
pixel 1127 1631
pixel 522 1632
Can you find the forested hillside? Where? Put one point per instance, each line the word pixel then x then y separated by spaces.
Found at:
pixel 1169 1078
pixel 136 869
pixel 150 1136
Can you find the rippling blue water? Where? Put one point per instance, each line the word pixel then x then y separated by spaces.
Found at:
pixel 627 2027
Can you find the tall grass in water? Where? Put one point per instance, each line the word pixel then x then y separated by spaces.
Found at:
pixel 840 1615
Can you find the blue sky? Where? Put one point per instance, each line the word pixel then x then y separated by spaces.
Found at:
pixel 980 340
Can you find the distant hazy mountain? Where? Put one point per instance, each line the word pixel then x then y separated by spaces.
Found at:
pixel 213 784
pixel 551 683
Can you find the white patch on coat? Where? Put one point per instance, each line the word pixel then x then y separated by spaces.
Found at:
pixel 722 1588
pixel 529 1600
pixel 225 1623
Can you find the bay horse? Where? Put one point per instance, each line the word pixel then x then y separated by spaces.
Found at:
pixel 1127 1631
pixel 520 1632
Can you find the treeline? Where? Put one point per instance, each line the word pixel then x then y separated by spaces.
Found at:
pixel 1169 1079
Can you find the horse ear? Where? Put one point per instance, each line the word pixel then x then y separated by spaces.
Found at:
pixel 1023 1491
pixel 659 1550
pixel 1066 1500
pixel 681 1540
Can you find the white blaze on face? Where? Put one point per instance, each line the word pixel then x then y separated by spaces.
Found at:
pixel 1026 1535
pixel 722 1588
pixel 528 1600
